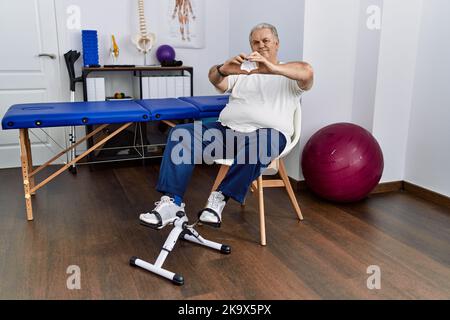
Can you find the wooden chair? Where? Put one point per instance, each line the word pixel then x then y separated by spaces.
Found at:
pixel 277 166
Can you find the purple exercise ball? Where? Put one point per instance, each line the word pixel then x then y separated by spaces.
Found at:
pixel 165 53
pixel 342 162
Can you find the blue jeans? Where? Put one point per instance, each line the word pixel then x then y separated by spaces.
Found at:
pixel 252 154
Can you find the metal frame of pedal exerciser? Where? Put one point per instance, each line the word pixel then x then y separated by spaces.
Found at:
pixel 183 231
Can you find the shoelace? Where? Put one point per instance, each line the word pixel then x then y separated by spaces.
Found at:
pixel 215 199
pixel 159 204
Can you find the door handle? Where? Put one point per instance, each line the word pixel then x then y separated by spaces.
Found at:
pixel 50 55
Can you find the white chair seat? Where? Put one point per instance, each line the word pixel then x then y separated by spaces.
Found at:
pixel 225 162
pixel 270 171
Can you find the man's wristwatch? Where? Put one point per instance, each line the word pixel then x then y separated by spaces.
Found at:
pixel 219 72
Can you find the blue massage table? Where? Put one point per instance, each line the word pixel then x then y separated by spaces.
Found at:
pixel 44 115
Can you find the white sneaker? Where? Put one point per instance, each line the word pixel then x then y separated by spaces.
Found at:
pixel 164 213
pixel 212 214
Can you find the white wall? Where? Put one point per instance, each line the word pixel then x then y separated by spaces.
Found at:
pixel 428 151
pixel 120 17
pixel 396 71
pixel 330 46
pixel 388 82
pixel 366 63
pixel 288 17
pixel 393 82
pixel 368 77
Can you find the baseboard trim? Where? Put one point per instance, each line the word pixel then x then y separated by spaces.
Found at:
pixel 299 185
pixel 380 188
pixel 387 187
pixel 394 186
pixel 426 194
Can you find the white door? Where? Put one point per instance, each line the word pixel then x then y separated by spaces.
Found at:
pixel 28 30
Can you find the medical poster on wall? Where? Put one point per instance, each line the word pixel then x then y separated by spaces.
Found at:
pixel 183 23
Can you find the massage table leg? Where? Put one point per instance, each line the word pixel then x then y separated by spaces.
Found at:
pixel 73 152
pixel 30 161
pixel 25 159
pixel 28 175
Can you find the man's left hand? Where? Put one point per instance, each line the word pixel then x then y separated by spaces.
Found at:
pixel 264 65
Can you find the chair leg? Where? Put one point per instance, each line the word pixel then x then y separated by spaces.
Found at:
pixel 262 221
pixel 254 187
pixel 220 176
pixel 290 191
pixel 243 204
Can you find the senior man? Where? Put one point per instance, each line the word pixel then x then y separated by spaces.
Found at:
pixel 264 94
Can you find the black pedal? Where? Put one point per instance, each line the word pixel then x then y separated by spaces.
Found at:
pixel 148 225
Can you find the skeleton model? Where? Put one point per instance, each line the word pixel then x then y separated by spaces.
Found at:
pixel 144 41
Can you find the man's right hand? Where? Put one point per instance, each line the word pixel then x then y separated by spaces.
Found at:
pixel 233 66
pixel 230 67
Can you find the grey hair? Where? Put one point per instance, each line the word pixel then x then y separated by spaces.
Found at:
pixel 265 26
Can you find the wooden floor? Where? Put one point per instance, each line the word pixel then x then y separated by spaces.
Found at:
pixel 91 220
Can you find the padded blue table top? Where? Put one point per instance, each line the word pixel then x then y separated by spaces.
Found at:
pixel 208 103
pixel 169 109
pixel 37 115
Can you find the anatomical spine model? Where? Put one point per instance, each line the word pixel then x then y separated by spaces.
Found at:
pixel 144 41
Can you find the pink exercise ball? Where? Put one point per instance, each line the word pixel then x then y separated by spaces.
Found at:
pixel 342 162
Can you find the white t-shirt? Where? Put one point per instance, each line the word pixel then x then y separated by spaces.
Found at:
pixel 261 101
